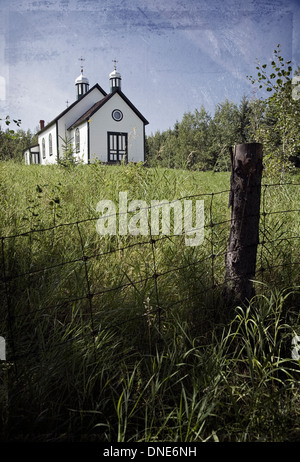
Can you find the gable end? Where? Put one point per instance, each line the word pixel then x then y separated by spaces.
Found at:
pixel 101 103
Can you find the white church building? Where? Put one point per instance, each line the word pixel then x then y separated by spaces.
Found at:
pixel 97 126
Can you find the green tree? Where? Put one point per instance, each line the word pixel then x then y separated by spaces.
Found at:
pixel 193 152
pixel 245 110
pixel 12 147
pixel 68 158
pixel 279 129
pixel 160 149
pixel 13 142
pixel 225 128
pixel 256 117
pixel 184 146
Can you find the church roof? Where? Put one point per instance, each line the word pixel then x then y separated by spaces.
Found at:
pixel 101 103
pixel 89 112
pixel 37 146
pixel 71 106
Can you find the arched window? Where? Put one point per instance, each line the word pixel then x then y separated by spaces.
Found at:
pixel 50 145
pixel 77 140
pixel 43 148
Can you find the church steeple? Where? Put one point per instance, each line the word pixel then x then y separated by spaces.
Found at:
pixel 81 83
pixel 115 78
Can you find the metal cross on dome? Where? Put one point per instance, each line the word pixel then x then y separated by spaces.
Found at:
pixel 81 59
pixel 115 63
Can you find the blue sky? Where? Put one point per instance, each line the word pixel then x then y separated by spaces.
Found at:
pixel 174 56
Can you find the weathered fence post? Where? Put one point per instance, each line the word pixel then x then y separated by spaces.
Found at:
pixel 240 259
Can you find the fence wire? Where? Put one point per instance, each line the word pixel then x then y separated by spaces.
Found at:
pixel 113 281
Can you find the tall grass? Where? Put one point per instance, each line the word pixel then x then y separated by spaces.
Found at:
pixel 240 386
pixel 144 359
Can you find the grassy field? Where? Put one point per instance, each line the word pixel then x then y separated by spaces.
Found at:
pixel 128 338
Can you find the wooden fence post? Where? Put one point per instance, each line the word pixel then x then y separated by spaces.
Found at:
pixel 244 199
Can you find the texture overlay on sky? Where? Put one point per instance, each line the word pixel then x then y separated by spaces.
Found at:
pixel 174 56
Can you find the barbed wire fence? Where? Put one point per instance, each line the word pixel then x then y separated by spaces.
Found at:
pixel 109 294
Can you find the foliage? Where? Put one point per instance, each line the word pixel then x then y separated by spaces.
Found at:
pixel 225 130
pixel 12 147
pixel 155 354
pixel 14 142
pixel 11 132
pixel 279 130
pixel 201 142
pixel 102 368
pixel 68 157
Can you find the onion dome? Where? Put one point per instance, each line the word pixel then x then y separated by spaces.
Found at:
pixel 82 84
pixel 115 79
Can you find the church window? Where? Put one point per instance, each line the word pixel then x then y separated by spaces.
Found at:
pixel 77 140
pixel 43 148
pixel 50 145
pixel 117 115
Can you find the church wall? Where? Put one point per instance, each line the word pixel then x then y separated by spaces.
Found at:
pixel 27 156
pixel 74 113
pixel 31 155
pixel 102 122
pixel 82 155
pixel 49 159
